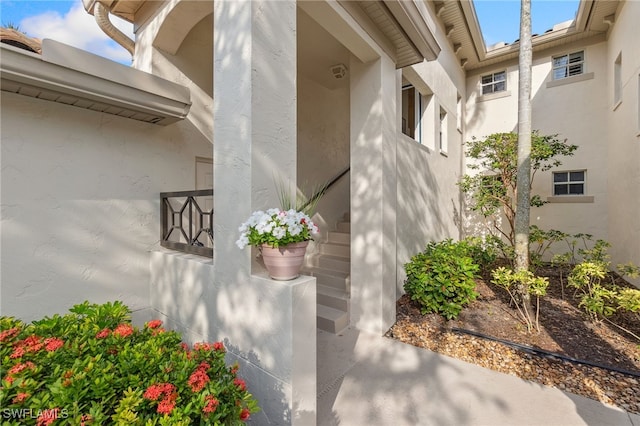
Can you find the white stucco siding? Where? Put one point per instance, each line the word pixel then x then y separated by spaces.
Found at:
pixel 576 111
pixel 80 203
pixel 623 138
pixel 323 147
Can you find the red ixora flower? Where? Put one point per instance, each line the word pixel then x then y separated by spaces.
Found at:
pixel 211 403
pixel 46 417
pixel 20 397
pixel 240 384
pixel 103 333
pixel 8 334
pixel 154 392
pixel 123 330
pixel 22 366
pixel 167 404
pixel 154 324
pixel 86 418
pixel 198 379
pixel 219 346
pixel 53 343
pixel 244 414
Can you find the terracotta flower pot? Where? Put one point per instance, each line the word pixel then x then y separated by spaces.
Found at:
pixel 284 263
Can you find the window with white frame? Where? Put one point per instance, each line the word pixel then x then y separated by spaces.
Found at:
pixel 492 83
pixel 414 106
pixel 568 65
pixel 617 80
pixel 569 183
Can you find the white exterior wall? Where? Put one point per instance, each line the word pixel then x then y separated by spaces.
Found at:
pixel 624 138
pixel 80 203
pixel 323 148
pixel 428 207
pixel 576 111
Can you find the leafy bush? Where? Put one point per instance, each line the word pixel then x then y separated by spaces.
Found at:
pixel 536 286
pixel 93 367
pixel 442 278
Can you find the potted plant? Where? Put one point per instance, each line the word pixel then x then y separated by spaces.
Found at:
pixel 282 237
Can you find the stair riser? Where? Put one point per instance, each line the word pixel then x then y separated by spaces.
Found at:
pixel 334 282
pixel 334 264
pixel 336 250
pixel 339 237
pixel 332 326
pixel 333 302
pixel 344 227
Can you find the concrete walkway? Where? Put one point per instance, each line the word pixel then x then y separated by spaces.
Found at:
pixel 367 380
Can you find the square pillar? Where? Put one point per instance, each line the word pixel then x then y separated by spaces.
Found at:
pixel 373 194
pixel 270 326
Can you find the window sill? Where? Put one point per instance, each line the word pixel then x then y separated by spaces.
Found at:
pixel 444 153
pixel 570 80
pixel 571 199
pixel 492 96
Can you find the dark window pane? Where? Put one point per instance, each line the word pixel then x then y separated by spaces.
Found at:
pixel 576 57
pixel 575 69
pixel 576 188
pixel 576 177
pixel 560 190
pixel 500 76
pixel 486 79
pixel 560 177
pixel 498 87
pixel 487 89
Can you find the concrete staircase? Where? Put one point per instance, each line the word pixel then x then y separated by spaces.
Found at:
pixel 331 267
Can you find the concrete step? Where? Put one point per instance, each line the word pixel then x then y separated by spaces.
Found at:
pixel 339 238
pixel 333 298
pixel 329 277
pixel 344 227
pixel 335 249
pixel 331 320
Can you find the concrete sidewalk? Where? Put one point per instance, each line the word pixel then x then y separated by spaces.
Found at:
pixel 367 380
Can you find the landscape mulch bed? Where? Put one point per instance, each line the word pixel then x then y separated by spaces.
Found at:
pixel 595 359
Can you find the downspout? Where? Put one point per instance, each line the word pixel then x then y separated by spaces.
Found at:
pixel 101 14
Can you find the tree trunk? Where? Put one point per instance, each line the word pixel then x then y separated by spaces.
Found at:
pixel 524 144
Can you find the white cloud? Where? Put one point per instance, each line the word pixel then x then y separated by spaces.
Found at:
pixel 79 29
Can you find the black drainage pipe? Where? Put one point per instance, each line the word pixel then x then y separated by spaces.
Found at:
pixel 541 352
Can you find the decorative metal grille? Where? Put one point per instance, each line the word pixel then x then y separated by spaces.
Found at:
pixel 186 221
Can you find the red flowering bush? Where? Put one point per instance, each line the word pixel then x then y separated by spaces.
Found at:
pixel 92 367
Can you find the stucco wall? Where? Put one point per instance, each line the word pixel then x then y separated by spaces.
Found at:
pixel 623 139
pixel 575 111
pixel 428 207
pixel 323 147
pixel 80 203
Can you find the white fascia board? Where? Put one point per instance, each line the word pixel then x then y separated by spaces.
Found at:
pixel 70 71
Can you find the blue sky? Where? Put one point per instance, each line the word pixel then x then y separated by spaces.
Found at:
pixel 66 21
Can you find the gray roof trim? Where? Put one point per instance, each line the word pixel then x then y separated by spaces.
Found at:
pixel 74 77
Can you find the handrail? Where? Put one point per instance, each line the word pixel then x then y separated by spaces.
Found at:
pixel 324 188
pixel 196 235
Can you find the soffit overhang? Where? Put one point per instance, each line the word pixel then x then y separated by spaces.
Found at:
pixel 460 24
pixel 77 78
pixel 398 27
pixel 404 29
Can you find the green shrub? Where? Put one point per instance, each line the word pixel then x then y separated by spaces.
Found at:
pixel 442 278
pixel 93 367
pixel 536 286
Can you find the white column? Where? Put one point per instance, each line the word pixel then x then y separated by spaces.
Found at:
pixel 373 194
pixel 270 326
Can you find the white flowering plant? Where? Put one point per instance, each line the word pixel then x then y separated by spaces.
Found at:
pixel 276 228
